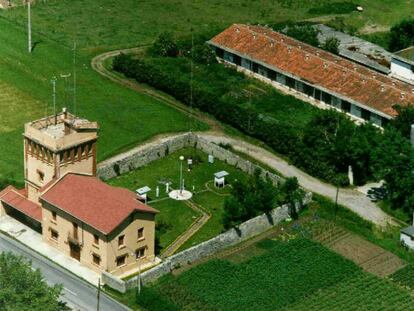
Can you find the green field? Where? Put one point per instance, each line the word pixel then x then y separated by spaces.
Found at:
pixel 177 215
pixel 110 24
pixel 295 275
pixel 125 117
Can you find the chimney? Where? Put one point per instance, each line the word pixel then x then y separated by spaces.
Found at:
pixel 412 134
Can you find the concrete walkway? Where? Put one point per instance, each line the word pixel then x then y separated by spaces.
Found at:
pixel 33 240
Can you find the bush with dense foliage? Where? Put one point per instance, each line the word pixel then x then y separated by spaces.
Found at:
pixel 304 33
pixel 331 44
pixel 331 7
pixel 402 35
pixel 22 289
pixel 249 199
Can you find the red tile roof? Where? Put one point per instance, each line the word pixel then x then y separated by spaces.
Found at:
pixel 318 67
pixel 13 197
pixel 94 202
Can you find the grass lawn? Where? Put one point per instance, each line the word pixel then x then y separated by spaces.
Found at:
pixel 291 275
pixel 177 215
pixel 125 117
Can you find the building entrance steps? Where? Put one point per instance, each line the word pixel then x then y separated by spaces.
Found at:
pixel 33 240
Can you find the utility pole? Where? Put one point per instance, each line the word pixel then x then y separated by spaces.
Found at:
pixel 29 27
pixel 99 293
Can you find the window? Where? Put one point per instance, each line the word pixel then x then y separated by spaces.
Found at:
pixel 326 98
pixel 290 82
pixel 237 60
pixel 255 67
pixel 40 175
pixel 346 106
pixel 140 252
pixel 54 234
pixel 54 216
pixel 95 239
pixel 96 259
pixel 120 261
pixel 365 114
pixel 121 240
pixel 271 74
pixel 140 233
pixel 220 52
pixel 317 94
pixel 75 231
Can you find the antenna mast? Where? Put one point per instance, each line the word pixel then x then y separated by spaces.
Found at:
pixel 74 77
pixel 54 98
pixel 29 27
pixel 191 79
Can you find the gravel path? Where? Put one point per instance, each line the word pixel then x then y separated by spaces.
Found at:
pixel 352 199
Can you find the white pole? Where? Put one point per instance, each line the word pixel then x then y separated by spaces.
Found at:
pixel 54 98
pixel 29 27
pixel 181 177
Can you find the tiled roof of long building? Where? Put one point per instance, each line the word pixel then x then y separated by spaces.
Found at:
pixel 317 67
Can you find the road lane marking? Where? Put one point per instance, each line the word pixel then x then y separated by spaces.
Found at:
pixel 69 291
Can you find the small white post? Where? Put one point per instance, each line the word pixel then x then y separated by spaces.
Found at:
pixel 157 191
pixel 412 134
pixel 350 175
pixel 167 187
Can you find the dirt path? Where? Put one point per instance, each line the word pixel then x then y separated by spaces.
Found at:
pixel 352 199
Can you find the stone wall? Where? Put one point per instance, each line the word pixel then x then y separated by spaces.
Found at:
pixel 229 238
pixel 144 155
pixel 113 282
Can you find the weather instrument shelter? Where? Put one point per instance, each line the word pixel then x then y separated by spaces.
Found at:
pixel 219 179
pixel 142 192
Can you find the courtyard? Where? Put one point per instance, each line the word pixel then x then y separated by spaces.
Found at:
pixel 186 222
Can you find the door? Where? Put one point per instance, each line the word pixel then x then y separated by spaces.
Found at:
pixel 74 251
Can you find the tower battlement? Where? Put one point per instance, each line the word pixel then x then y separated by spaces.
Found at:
pixel 56 145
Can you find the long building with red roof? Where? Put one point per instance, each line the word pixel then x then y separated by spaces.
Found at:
pixel 324 77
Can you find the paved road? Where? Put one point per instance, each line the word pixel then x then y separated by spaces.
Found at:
pixel 77 293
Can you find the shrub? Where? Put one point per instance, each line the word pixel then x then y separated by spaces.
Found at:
pixel 331 44
pixel 344 7
pixel 402 35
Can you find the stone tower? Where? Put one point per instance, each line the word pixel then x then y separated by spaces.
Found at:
pixel 56 145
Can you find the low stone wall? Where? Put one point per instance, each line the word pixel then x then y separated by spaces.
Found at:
pixel 233 159
pixel 139 157
pixel 113 282
pixel 229 238
pixel 143 156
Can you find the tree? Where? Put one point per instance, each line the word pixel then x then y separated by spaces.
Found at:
pixel 248 200
pixel 404 120
pixel 306 33
pixel 294 195
pixel 402 35
pixel 165 46
pixel 332 45
pixel 395 164
pixel 23 289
